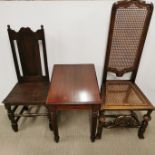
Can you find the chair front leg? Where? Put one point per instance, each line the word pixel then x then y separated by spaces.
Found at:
pixel 144 124
pixel 12 118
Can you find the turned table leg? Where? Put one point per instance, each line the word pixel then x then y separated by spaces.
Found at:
pixel 99 130
pixel 50 122
pixel 54 124
pixel 94 123
pixel 101 119
pixel 144 124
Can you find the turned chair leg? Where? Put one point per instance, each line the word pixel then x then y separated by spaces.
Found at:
pixel 144 124
pixel 99 130
pixel 12 118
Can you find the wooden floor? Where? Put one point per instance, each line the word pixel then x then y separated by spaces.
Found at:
pixel 35 138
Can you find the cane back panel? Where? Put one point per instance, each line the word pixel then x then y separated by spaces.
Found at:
pixel 128 29
pixel 25 46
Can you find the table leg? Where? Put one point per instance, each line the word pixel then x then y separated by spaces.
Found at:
pixel 54 124
pixel 50 122
pixel 94 123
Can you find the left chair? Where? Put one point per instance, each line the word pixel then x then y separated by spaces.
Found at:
pixel 30 60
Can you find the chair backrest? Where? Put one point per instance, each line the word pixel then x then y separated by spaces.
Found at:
pixel 128 28
pixel 29 54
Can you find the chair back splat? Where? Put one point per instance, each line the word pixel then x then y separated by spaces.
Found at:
pixel 27 52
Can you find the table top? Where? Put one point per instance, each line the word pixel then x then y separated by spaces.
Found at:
pixel 73 84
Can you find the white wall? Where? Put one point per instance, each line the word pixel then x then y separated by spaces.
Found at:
pixel 75 31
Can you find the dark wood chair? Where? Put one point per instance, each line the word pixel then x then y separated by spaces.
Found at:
pixel 122 98
pixel 32 74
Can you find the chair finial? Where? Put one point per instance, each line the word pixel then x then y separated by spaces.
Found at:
pixel 8 26
pixel 42 27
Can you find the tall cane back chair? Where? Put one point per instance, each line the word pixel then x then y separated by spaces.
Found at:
pixel 128 29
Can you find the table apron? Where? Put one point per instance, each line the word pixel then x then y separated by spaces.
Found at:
pixel 72 107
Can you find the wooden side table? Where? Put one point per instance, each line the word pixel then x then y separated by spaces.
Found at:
pixel 73 87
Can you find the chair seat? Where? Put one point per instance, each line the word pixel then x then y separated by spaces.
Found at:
pixel 124 95
pixel 28 93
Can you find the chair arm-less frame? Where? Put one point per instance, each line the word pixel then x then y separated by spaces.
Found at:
pixel 128 29
pixel 32 74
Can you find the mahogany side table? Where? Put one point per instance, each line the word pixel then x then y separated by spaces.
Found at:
pixel 73 87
